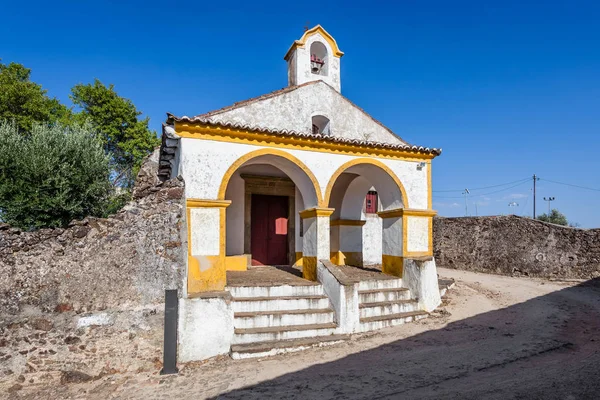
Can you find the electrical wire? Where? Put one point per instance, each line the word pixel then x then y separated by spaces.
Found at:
pixel 482 188
pixel 568 184
pixel 482 194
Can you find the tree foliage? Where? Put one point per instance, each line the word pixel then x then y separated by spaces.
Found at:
pixel 555 217
pixel 52 175
pixel 24 101
pixel 125 136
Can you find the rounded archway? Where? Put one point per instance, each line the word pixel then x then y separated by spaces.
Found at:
pixel 388 186
pixel 267 188
pixel 357 191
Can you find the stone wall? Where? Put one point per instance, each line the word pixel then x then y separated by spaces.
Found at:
pixel 84 301
pixel 512 245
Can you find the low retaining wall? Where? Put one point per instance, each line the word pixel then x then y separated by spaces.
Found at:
pixel 512 245
pixel 88 300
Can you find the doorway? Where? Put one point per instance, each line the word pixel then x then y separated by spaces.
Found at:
pixel 269 229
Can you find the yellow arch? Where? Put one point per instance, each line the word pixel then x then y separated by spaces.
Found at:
pixel 272 152
pixel 358 161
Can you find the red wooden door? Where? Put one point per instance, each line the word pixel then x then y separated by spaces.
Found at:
pixel 269 240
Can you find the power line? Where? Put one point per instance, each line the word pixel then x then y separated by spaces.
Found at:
pixel 484 194
pixel 568 184
pixel 482 188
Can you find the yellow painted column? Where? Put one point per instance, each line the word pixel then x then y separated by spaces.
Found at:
pixel 315 241
pixel 407 233
pixel 206 269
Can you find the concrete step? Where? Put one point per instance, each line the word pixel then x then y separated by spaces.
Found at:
pixel 380 284
pixel 263 349
pixel 375 295
pixel 278 291
pixel 387 308
pixel 273 333
pixel 261 319
pixel 384 321
pixel 279 303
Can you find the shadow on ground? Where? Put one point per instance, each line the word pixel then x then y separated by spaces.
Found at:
pixel 545 348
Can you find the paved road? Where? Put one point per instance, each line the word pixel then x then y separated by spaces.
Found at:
pixel 496 338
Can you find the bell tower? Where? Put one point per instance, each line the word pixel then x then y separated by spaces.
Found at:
pixel 315 56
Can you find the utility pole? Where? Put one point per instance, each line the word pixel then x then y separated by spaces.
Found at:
pixel 549 199
pixel 466 192
pixel 535 179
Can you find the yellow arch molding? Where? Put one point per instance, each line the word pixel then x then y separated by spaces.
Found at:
pixel 317 29
pixel 359 161
pixel 271 152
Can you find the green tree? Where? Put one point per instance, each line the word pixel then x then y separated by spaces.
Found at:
pixel 555 217
pixel 52 175
pixel 125 136
pixel 25 102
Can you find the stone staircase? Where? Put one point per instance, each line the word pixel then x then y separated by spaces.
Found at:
pixel 384 303
pixel 270 320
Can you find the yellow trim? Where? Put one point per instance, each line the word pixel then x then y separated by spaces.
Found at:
pixel 392 265
pixel 316 212
pixel 233 135
pixel 353 258
pixel 197 203
pixel 347 222
pixel 214 277
pixel 396 213
pixel 370 161
pixel 273 152
pixel 309 268
pixel 317 29
pixel 429 252
pixel 413 212
pixel 236 263
pixel 298 259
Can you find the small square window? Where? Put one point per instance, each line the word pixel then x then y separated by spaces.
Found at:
pixel 371 202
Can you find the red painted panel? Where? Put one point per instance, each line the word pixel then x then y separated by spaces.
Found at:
pixel 371 202
pixel 269 241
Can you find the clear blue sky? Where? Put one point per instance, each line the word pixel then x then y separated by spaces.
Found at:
pixel 507 90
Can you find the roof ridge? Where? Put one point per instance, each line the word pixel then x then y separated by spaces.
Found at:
pixel 255 99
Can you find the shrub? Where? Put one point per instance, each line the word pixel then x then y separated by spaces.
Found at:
pixel 51 175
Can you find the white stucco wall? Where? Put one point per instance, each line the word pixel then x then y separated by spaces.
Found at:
pixel 205 328
pixel 205 231
pixel 351 238
pixel 418 238
pixel 294 110
pixel 204 163
pixel 392 236
pixel 235 215
pixel 372 240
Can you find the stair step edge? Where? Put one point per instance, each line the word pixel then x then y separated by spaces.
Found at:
pixel 387 303
pixel 250 314
pixel 394 316
pixel 260 347
pixel 284 328
pixel 268 298
pixel 385 290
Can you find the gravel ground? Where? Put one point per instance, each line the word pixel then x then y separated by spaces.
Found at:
pixel 495 337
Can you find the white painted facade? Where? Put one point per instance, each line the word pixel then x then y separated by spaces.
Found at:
pixel 330 189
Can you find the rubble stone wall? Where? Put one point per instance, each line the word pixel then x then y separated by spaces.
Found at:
pixel 88 300
pixel 512 245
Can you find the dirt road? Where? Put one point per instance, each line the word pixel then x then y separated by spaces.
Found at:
pixel 496 338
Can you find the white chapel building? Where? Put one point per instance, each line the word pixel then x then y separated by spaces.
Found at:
pixel 300 178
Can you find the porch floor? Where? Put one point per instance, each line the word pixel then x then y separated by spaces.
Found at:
pixel 268 276
pixel 369 273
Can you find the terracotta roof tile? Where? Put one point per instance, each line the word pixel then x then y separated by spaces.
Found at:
pixel 205 120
